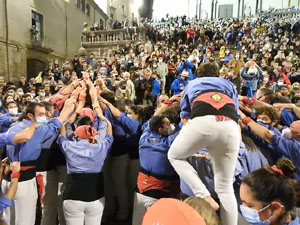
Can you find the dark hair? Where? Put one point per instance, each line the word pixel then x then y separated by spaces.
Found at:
pixel 137 110
pixel 172 113
pixel 148 112
pixel 120 104
pixel 269 111
pixel 7 103
pixel 128 102
pixel 281 99
pixel 109 96
pixel 84 120
pixel 208 70
pixel 30 108
pixel 156 122
pixel 48 106
pixel 268 185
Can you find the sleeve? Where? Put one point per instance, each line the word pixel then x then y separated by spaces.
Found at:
pixel 185 105
pixel 7 139
pixel 189 64
pixel 145 134
pixel 5 120
pixel 180 68
pixel 4 203
pixel 46 131
pixel 132 125
pixel 102 129
pixel 286 79
pixel 175 85
pixel 107 114
pixel 105 144
pixel 287 147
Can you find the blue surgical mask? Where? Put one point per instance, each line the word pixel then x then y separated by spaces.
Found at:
pixel 252 215
pixel 41 120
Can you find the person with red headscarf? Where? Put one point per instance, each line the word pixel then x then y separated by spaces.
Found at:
pixel 84 192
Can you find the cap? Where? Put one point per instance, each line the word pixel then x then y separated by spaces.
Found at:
pixel 178 213
pixel 185 74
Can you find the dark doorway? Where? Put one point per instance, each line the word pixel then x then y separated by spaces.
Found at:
pixel 34 66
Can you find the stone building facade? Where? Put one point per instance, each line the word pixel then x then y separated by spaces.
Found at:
pixel 35 32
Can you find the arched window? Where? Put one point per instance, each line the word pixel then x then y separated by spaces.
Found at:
pixel 87 9
pixel 82 5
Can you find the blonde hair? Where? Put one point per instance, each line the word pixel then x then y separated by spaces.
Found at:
pixel 204 209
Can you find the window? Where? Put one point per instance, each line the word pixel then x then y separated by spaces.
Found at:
pixel 82 5
pixel 112 16
pixel 87 9
pixel 37 26
pixel 78 3
pixel 123 9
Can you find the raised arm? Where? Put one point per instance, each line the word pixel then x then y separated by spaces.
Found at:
pixel 69 105
pixel 116 112
pixel 292 107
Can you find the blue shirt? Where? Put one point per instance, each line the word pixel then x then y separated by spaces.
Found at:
pixel 199 85
pixel 153 149
pixel 287 117
pixel 31 149
pixel 5 121
pixel 4 203
pixel 7 139
pixel 290 148
pixel 84 157
pixel 187 66
pixel 177 84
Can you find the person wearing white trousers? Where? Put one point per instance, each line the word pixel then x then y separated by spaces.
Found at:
pixel 211 105
pixel 84 192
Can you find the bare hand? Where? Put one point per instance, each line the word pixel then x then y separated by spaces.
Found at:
pixel 15 166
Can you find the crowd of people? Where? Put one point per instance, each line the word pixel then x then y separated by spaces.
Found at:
pixel 208 113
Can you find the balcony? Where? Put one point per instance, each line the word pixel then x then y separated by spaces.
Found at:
pixel 282 14
pixel 107 39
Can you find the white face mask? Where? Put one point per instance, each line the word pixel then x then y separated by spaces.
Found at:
pixel 266 80
pixel 280 83
pixel 160 60
pixel 237 56
pixel 252 215
pixel 20 93
pixel 13 111
pixel 227 52
pixel 171 129
pixel 286 133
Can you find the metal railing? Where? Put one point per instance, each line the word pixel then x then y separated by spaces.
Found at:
pixel 112 36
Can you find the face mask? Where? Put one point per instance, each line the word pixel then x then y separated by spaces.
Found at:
pixel 42 94
pixel 136 64
pixel 286 133
pixel 10 94
pixel 0 104
pixel 227 52
pixel 41 120
pixel 20 93
pixel 160 60
pixel 154 66
pixel 33 95
pixel 252 215
pixel 266 80
pixel 208 54
pixel 13 111
pixel 237 56
pixel 171 129
pixel 91 74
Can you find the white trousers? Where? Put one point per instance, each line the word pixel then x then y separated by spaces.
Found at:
pixel 83 213
pixel 54 183
pixel 115 175
pixel 163 84
pixel 133 171
pixel 222 140
pixel 24 208
pixel 140 206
